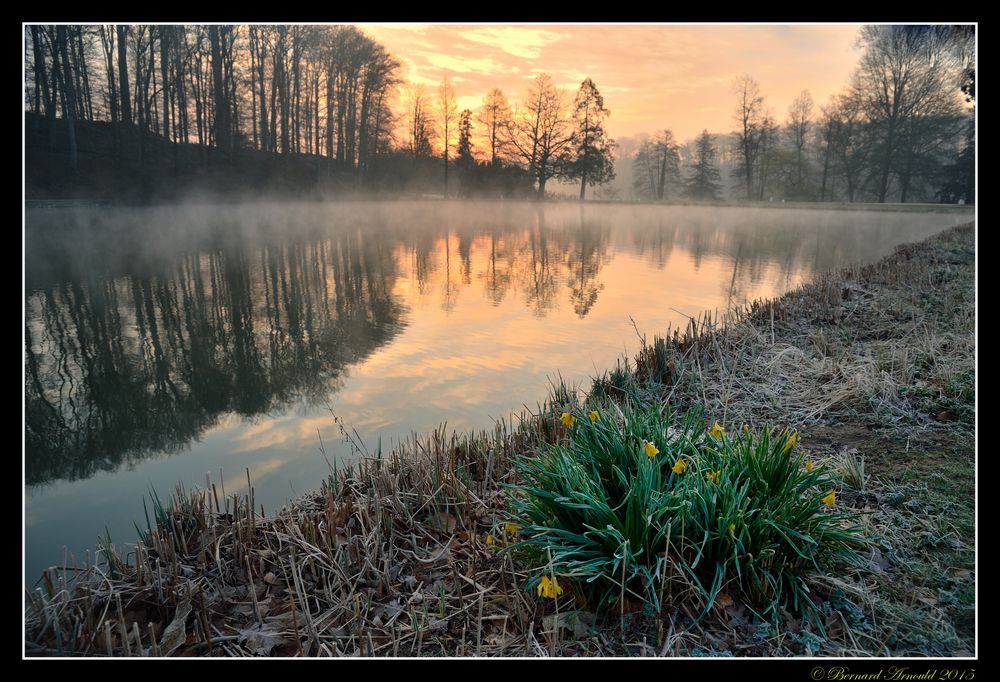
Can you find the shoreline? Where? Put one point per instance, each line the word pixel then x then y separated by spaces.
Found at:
pixel 391 557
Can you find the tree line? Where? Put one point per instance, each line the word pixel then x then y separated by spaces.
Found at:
pixel 333 96
pixel 326 92
pixel 897 132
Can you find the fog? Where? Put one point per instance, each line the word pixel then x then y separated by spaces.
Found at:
pixel 164 342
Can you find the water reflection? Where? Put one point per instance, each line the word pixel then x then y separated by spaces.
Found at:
pixel 124 368
pixel 140 334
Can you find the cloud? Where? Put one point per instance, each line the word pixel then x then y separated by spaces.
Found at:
pixel 514 40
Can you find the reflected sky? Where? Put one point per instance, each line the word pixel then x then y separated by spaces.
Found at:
pixel 162 343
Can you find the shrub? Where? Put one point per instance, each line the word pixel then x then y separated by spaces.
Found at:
pixel 638 497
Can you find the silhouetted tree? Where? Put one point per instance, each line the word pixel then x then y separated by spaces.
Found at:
pixel 593 151
pixel 906 85
pixel 749 118
pixel 799 121
pixel 448 112
pixel 540 134
pixel 495 116
pixel 704 183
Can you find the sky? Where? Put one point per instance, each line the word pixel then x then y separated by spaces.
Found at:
pixel 651 76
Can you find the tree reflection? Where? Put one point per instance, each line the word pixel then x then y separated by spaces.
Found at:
pixel 121 369
pixel 135 349
pixel 584 262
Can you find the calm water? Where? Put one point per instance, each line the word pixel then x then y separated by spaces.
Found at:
pixel 163 343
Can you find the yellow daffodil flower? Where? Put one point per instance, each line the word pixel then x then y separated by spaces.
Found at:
pixel 489 539
pixel 594 416
pixel 650 449
pixel 830 499
pixel 512 529
pixel 568 419
pixel 732 528
pixel 746 429
pixel 549 589
pixel 792 440
pixel 714 476
pixel 717 430
pixel 809 465
pixel 679 467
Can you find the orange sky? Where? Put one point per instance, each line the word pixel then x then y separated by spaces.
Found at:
pixel 651 76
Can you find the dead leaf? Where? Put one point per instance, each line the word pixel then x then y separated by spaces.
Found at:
pixel 444 521
pixel 261 639
pixel 174 635
pixel 580 622
pixel 792 624
pixel 270 578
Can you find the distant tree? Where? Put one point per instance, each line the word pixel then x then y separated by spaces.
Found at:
pixel 749 119
pixel 593 151
pixel 667 157
pixel 849 142
pixel 541 135
pixel 769 155
pixel 420 131
pixel 799 122
pixel 906 84
pixel 464 150
pixel 656 167
pixel 495 116
pixel 448 113
pixel 703 182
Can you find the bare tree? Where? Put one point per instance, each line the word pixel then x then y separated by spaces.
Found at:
pixel 906 84
pixel 749 119
pixel 69 109
pixel 420 131
pixel 799 121
pixel 448 113
pixel 540 134
pixel 222 121
pixel 495 115
pixel 123 89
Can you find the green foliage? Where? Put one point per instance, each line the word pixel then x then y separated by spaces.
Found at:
pixel 617 521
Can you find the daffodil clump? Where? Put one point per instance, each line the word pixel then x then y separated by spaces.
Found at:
pixel 633 487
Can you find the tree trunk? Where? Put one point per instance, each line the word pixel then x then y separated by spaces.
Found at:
pixel 57 92
pixel 222 140
pixel 109 65
pixel 826 164
pixel 583 186
pixel 883 187
pixel 86 77
pixel 165 36
pixel 70 100
pixel 265 143
pixel 123 73
pixel 41 82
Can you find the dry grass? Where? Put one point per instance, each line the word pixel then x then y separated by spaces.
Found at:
pixel 390 557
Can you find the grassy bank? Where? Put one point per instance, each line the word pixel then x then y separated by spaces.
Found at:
pixel 405 554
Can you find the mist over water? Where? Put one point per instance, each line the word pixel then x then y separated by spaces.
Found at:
pixel 164 342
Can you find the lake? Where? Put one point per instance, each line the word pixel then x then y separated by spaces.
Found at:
pixel 162 343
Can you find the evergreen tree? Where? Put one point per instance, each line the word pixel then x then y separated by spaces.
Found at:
pixel 704 182
pixel 464 158
pixel 593 158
